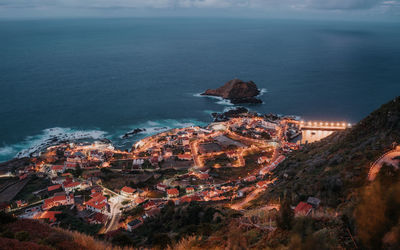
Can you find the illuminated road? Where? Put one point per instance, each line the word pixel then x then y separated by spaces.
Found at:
pixel 250 197
pixel 386 158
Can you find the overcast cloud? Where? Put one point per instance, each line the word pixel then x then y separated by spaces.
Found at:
pixel 368 7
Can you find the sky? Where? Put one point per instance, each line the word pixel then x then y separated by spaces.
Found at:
pixel 325 9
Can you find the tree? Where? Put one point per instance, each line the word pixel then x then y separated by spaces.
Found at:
pixel 266 136
pixel 285 217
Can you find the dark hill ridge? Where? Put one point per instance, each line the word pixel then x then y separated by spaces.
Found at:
pixel 336 166
pixel 237 91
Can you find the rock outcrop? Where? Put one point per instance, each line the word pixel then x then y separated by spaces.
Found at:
pixel 237 91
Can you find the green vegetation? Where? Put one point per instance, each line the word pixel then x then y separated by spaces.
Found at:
pixel 377 215
pixel 34 184
pixel 285 218
pixel 173 223
pixel 68 219
pixel 221 159
pixel 134 212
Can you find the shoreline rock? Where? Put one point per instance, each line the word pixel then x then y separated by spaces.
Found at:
pixel 133 132
pixel 233 113
pixel 237 91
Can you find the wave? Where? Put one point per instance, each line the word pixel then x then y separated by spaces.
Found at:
pixel 33 145
pixel 225 102
pixel 220 100
pixel 262 92
pixel 6 150
pixel 159 126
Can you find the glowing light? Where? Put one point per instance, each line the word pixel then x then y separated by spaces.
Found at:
pixel 332 124
pixel 344 124
pixel 349 124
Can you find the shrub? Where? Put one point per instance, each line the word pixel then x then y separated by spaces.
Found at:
pixel 22 236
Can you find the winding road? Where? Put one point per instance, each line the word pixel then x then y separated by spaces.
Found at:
pixel 386 158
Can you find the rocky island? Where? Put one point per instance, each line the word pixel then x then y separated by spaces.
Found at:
pixel 237 91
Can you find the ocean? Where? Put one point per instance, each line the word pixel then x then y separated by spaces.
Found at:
pixel 100 78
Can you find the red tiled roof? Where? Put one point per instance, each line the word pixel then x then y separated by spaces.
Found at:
pixel 54 187
pixel 262 183
pixel 189 199
pixel 97 202
pixel 100 218
pixel 173 191
pixel 128 190
pixel 57 167
pixel 72 184
pixel 203 176
pixel 139 200
pixel 185 156
pixel 302 208
pixel 149 205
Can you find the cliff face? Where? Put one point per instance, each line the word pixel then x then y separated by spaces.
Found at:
pixel 237 91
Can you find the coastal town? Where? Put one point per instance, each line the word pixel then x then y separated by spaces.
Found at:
pixel 226 163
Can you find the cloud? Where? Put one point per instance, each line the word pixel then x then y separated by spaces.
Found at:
pixel 319 4
pixel 344 4
pixel 379 6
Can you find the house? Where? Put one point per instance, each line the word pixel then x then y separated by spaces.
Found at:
pixel 58 180
pixel 127 191
pixel 55 169
pixel 242 192
pixel 138 162
pixel 134 224
pixel 250 178
pixel 149 205
pixel 302 209
pixel 313 201
pixel 262 184
pixel 168 153
pixel 172 193
pixel 21 203
pixel 161 187
pixel 59 199
pixel 96 190
pixel 70 165
pixel 185 157
pixel 203 176
pixel 188 199
pixel 139 200
pixel 262 159
pixel 71 186
pixel 97 218
pixel 185 141
pixel 98 204
pixel 190 190
pixel 53 187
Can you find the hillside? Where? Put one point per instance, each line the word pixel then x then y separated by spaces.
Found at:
pixel 335 170
pixel 31 234
pixel 335 167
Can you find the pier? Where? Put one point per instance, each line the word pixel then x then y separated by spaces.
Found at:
pixel 321 125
